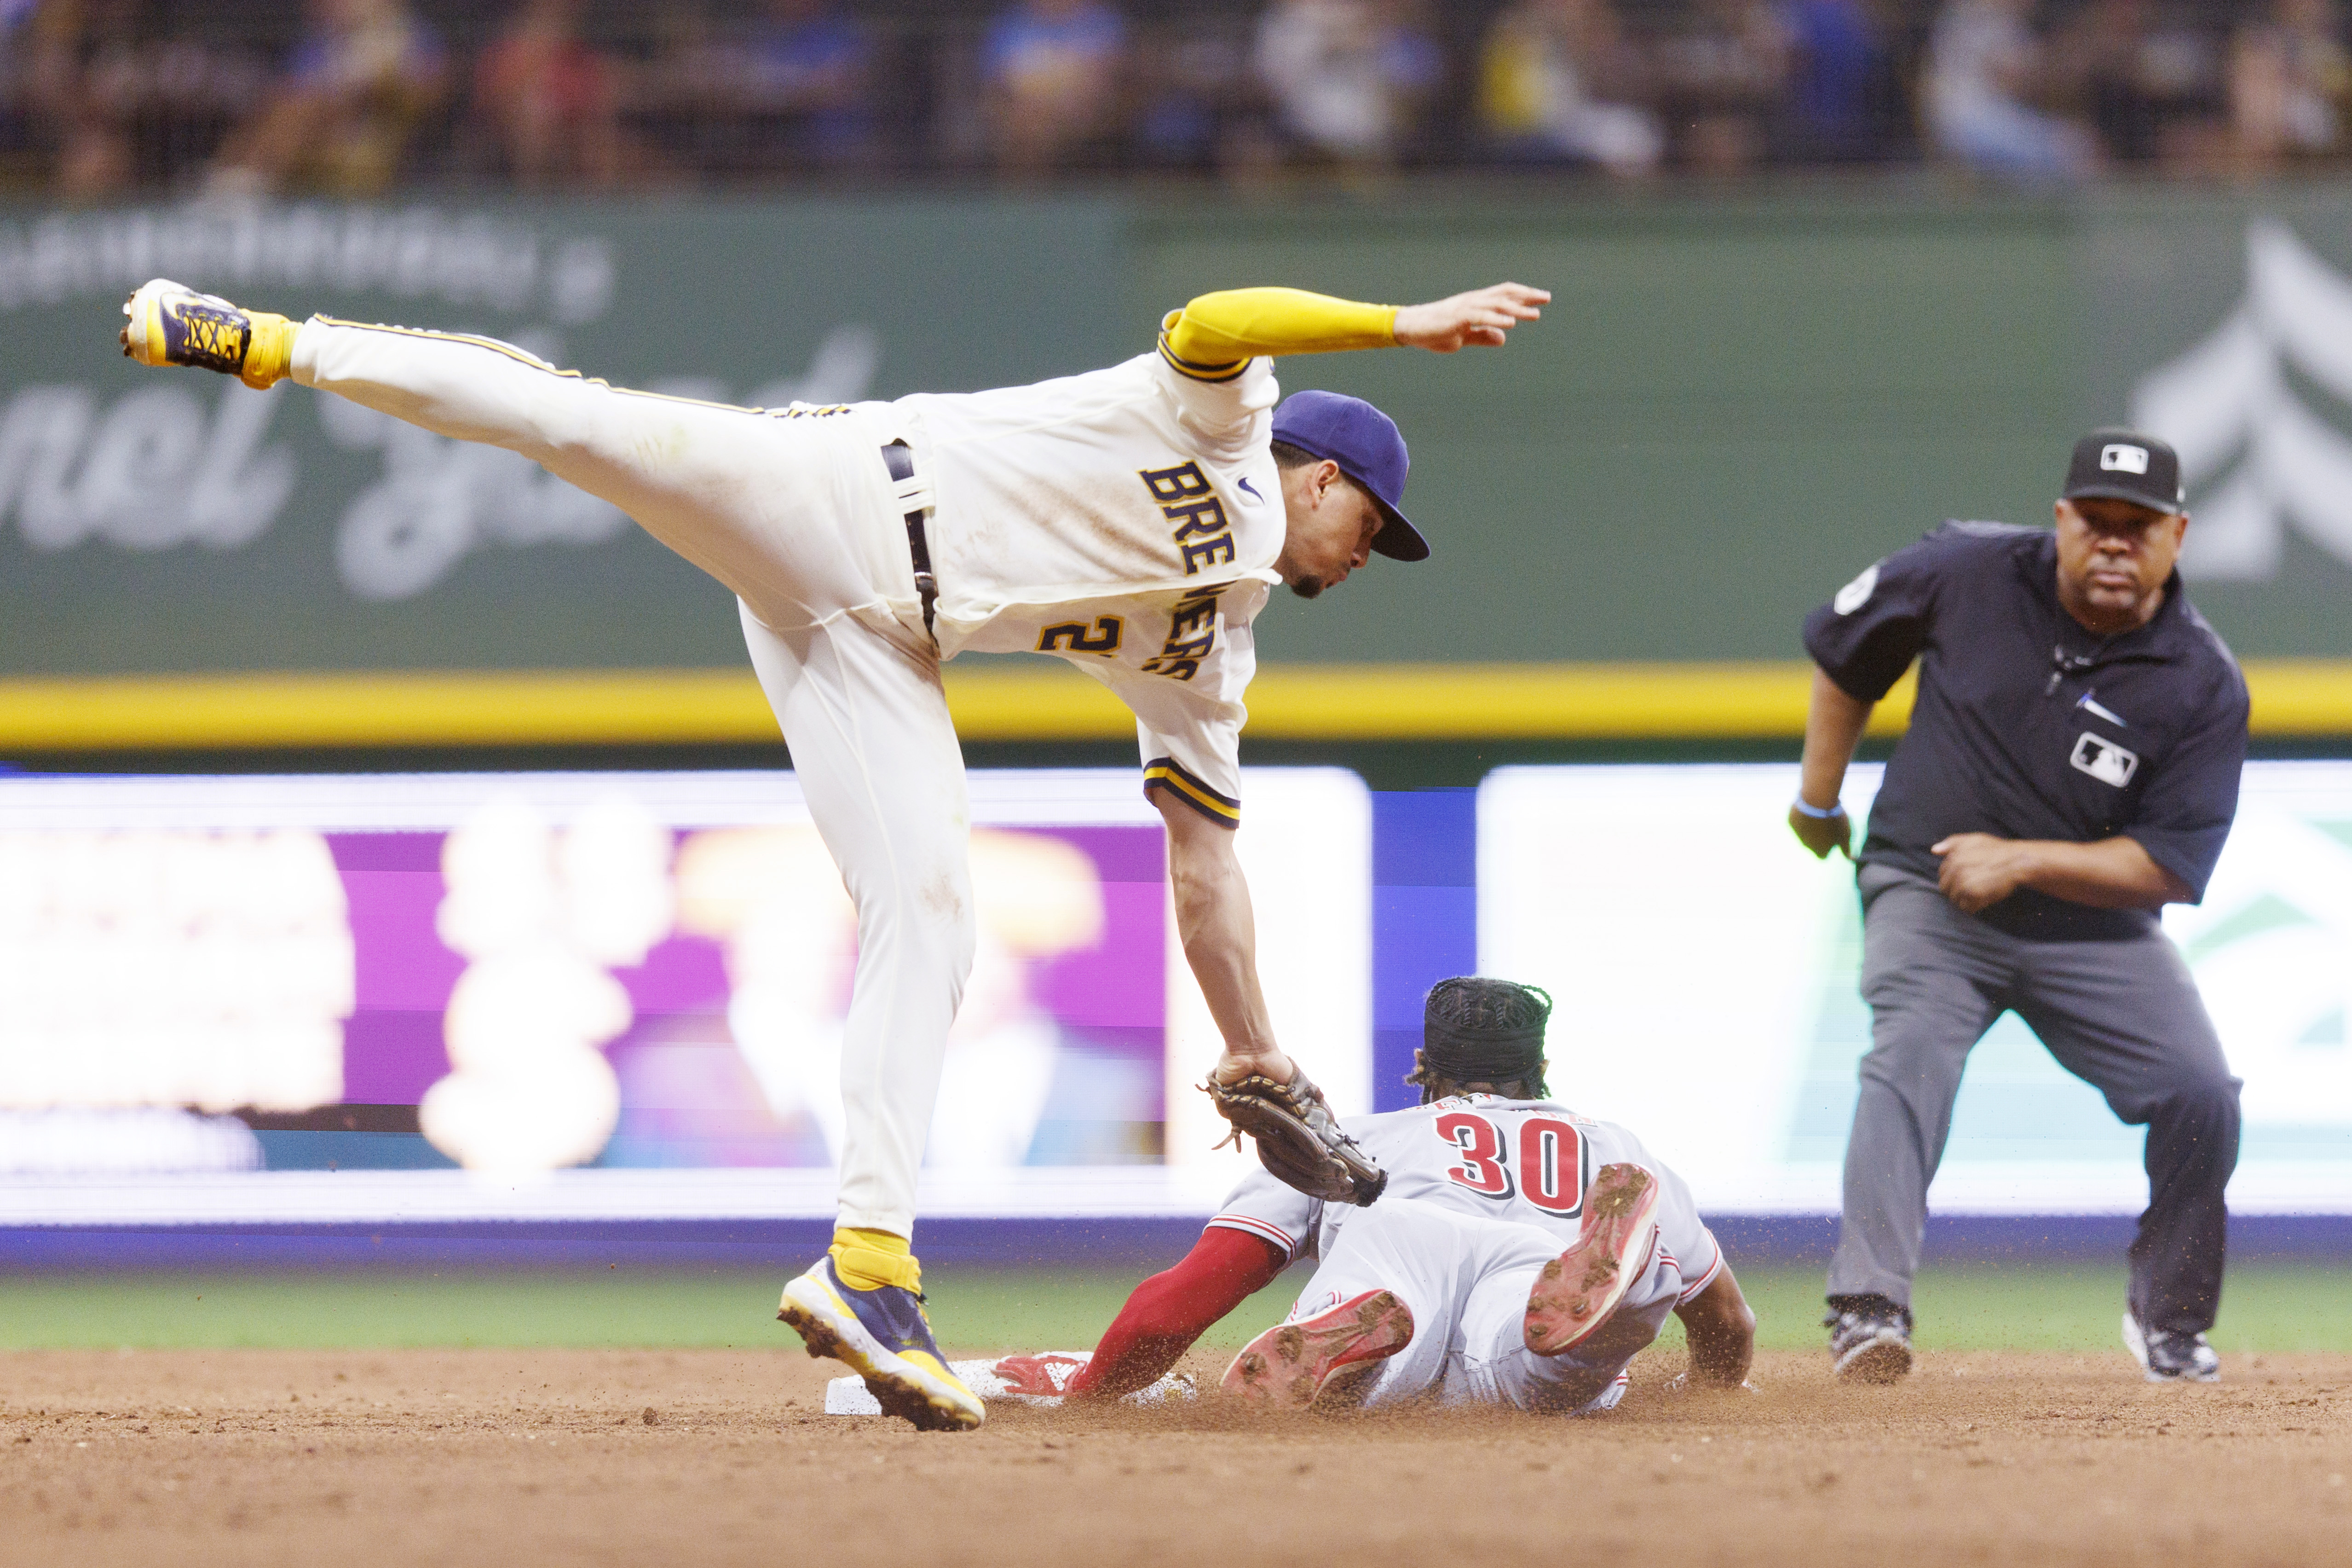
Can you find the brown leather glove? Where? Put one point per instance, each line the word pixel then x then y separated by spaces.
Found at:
pixel 1298 1138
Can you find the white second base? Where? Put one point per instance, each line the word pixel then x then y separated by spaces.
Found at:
pixel 1037 1378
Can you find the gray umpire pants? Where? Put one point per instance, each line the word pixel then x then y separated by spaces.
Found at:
pixel 2125 1016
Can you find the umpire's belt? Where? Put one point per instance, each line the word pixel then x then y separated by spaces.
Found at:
pixel 900 461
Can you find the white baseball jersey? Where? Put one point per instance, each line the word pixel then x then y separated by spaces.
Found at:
pixel 1114 520
pixel 1525 1161
pixel 1126 520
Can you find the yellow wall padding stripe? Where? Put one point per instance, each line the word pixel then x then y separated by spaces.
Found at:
pixel 1034 700
pixel 397 708
pixel 1541 702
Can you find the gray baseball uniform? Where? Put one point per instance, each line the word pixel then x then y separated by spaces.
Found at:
pixel 1482 1192
pixel 2028 726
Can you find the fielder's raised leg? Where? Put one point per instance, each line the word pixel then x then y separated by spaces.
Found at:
pixel 1131 521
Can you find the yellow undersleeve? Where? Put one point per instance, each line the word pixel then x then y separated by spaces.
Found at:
pixel 1233 325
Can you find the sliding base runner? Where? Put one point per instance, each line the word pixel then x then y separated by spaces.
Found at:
pixel 1524 1254
pixel 1131 521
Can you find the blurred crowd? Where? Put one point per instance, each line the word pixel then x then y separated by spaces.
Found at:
pixel 100 98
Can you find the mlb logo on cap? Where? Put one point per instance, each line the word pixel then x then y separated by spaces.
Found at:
pixel 2125 465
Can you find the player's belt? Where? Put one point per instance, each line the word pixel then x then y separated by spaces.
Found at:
pixel 900 461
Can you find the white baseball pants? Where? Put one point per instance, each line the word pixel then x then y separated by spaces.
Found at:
pixel 797 516
pixel 1466 1280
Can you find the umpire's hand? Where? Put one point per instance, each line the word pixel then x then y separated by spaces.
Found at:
pixel 1823 834
pixel 1979 870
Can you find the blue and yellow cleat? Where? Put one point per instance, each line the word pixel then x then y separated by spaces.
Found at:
pixel 883 1336
pixel 173 324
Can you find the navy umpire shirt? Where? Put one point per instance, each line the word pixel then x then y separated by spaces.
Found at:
pixel 2029 725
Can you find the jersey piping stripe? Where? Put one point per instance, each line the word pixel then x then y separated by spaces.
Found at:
pixel 1168 774
pixel 1226 370
pixel 1259 1228
pixel 522 357
pixel 1707 1278
pixel 513 352
pixel 703 402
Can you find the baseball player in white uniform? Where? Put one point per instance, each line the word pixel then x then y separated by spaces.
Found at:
pixel 1131 521
pixel 1522 1254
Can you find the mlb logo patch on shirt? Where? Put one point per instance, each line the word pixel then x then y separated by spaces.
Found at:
pixel 1856 593
pixel 2103 760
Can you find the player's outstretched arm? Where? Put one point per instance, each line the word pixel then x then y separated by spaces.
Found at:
pixel 1213 336
pixel 1166 1312
pixel 1721 1332
pixel 1219 933
pixel 1259 1089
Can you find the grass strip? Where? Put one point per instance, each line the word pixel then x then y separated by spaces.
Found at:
pixel 2270 1308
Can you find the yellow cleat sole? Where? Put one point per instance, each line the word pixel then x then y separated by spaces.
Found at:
pixel 143 335
pixel 901 1391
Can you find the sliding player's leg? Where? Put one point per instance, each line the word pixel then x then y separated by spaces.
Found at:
pixel 1499 1368
pixel 1375 1321
pixel 877 763
pixel 1523 1342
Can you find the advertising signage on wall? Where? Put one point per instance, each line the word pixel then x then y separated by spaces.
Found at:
pixel 614 995
pixel 519 974
pixel 2233 339
pixel 1729 409
pixel 1706 973
pixel 183 522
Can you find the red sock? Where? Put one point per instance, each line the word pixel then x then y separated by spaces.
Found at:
pixel 1168 1311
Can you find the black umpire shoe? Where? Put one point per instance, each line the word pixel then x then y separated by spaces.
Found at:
pixel 1870 1339
pixel 2170 1357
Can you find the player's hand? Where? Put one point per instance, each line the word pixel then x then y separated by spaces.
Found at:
pixel 1979 870
pixel 1483 317
pixel 1236 1066
pixel 1823 834
pixel 1681 1382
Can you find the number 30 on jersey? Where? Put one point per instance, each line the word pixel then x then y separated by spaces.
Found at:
pixel 1551 1168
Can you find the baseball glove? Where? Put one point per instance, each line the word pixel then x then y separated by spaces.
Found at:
pixel 1298 1138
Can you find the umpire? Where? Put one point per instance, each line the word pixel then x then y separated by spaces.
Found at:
pixel 2070 767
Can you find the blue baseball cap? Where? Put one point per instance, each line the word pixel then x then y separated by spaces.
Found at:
pixel 1364 442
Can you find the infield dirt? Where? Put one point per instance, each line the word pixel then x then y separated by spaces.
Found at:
pixel 521 1457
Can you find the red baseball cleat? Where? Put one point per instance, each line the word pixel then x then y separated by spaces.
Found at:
pixel 1577 1290
pixel 1284 1368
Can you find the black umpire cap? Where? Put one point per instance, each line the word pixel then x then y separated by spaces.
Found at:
pixel 2124 464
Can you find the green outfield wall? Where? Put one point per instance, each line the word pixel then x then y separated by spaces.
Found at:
pixel 1733 406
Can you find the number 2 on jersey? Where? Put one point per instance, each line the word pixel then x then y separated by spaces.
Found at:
pixel 1552 1157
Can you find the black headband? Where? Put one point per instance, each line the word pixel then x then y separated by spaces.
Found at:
pixel 1481 1055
